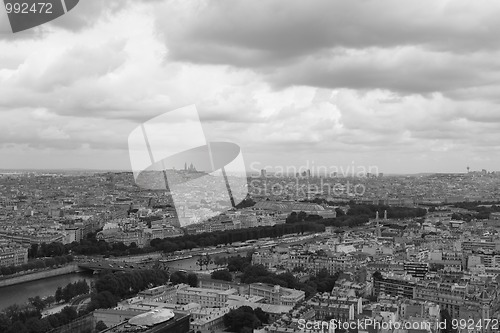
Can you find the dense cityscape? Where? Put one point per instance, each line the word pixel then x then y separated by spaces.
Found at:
pixel 236 166
pixel 410 250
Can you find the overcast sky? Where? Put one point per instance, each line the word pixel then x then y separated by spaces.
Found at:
pixel 406 86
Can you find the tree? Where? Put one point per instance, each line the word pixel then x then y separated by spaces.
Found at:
pixel 68 292
pixel 5 270
pixel 200 263
pixel 37 303
pixel 50 300
pixel 204 260
pixel 36 325
pixel 69 313
pixel 100 326
pixel 246 330
pixel 222 274
pixel 302 216
pixel 178 278
pixel 192 279
pixel 220 261
pixel 237 263
pixel 50 262
pixel 242 317
pixel 18 327
pixel 262 316
pixel 103 299
pixel 5 322
pixel 54 320
pixel 254 273
pixel 207 260
pixel 59 294
pixel 33 251
pixel 377 276
pixel 292 218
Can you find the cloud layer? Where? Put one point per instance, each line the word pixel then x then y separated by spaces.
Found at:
pixel 409 87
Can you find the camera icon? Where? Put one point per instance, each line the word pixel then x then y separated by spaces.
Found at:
pixel 170 153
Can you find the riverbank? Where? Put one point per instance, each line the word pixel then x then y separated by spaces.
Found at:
pixel 21 293
pixel 72 268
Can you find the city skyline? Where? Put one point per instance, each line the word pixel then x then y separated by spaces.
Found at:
pixel 402 90
pixel 269 170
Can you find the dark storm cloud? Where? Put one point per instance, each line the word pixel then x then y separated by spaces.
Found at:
pixel 406 71
pixel 252 32
pixel 407 47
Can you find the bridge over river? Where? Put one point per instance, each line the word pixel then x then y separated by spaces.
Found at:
pixel 114 266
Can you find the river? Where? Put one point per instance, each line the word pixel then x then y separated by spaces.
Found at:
pixel 20 293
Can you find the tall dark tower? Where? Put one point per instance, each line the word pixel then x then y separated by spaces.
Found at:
pixel 468 169
pixel 377 230
pixel 228 187
pixel 112 182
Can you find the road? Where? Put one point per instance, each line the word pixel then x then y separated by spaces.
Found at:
pixel 80 301
pixel 189 264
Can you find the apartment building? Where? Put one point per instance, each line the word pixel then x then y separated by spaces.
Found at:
pixel 463 301
pixel 13 256
pixel 277 295
pixel 273 294
pixel 476 245
pixel 416 269
pixel 242 288
pixel 166 294
pixel 205 297
pixel 269 259
pixel 315 263
pixel 340 307
pixel 395 285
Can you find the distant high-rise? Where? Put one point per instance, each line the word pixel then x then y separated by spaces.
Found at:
pixel 263 173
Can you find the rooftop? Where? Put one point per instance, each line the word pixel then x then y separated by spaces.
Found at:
pixel 152 318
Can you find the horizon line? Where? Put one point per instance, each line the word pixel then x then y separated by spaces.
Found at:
pixel 247 172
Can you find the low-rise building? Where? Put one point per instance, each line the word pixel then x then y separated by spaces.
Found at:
pixel 13 255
